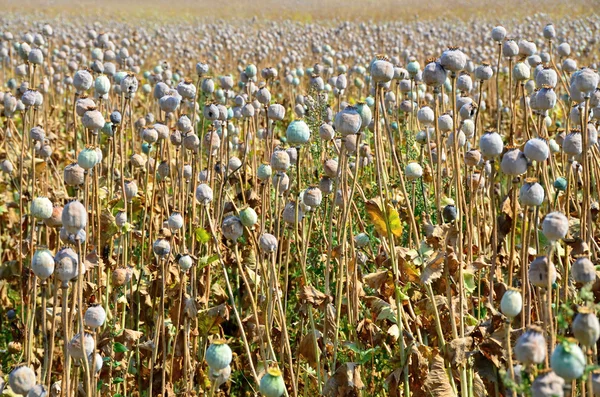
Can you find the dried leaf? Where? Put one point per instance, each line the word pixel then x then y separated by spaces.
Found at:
pixel 313 296
pixel 434 268
pixel 345 383
pixel 309 348
pixel 437 382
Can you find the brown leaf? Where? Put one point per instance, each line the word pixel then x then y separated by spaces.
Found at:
pixel 345 383
pixel 437 382
pixel 313 296
pixel 458 350
pixel 377 279
pixel 307 348
pixel 434 268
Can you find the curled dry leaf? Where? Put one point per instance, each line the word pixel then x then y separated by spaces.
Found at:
pixel 346 382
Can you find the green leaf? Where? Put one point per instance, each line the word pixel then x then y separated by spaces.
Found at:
pixel 469 282
pixel 118 380
pixel 202 236
pixel 119 348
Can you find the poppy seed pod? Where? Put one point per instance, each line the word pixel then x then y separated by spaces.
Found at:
pixel 185 262
pixel 212 142
pixel 472 158
pixel 312 197
pixel 204 194
pixel 264 172
pixel 232 228
pixel 573 144
pixel 248 217
pixel 67 265
pixel 87 158
pixel 434 74
pixel 583 270
pixel 514 162
pixel 186 89
pixel 21 380
pixel 549 32
pixel 326 132
pixel 538 272
pixel 498 33
pixel 348 121
pixel 276 112
pixel 93 120
pixel 161 247
pixel 568 361
pixel 555 226
pixel 453 60
pixel 42 264
pixel 382 70
pixel 464 82
pixel 425 115
pixel 149 135
pixel 170 102
pixel 268 243
pixel 95 316
pixel 131 190
pixel 521 71
pixel 531 194
pixel 530 348
pixel 586 327
pixel 491 144
pixel 585 80
pixel 221 376
pixel 289 213
pixel 330 167
pixel 175 221
pixel 445 123
pixel 545 99
pixel 297 133
pixel 365 114
pixel 483 72
pixel 74 217
pixel 280 160
pixel 413 171
pixel 218 355
pixel 102 85
pixel 75 349
pixel 510 49
pixel 37 134
pixel 537 149
pixel 547 384
pixel 41 208
pixel 546 77
pixel 511 303
pixel 55 220
pixel 82 80
pixel 272 384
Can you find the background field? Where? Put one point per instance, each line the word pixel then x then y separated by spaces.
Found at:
pixel 305 10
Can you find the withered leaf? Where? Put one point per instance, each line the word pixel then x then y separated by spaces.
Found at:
pixel 434 268
pixel 313 296
pixel 437 382
pixel 309 347
pixel 345 383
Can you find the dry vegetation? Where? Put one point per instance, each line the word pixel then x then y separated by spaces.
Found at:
pixel 304 203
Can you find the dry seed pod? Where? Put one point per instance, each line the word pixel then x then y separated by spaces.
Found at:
pixel 530 348
pixel 514 162
pixel 583 270
pixel 531 193
pixel 547 384
pixel 74 217
pixel 586 326
pixel 289 213
pixel 232 228
pixel 538 272
pixel 555 226
pixel 95 316
pixel 67 265
pixel 75 348
pixel 268 243
pixel 21 380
